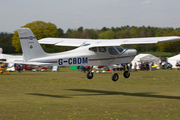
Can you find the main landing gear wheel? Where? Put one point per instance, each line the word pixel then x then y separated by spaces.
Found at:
pixel 126 74
pixel 89 75
pixel 115 77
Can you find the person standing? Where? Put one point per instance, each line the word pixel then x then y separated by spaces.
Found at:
pixel 177 65
pixel 150 66
pixel 135 67
pixel 130 67
pixel 18 68
pixel 142 65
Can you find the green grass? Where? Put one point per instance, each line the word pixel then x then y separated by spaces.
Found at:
pixel 68 94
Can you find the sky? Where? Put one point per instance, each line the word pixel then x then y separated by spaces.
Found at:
pixel 91 14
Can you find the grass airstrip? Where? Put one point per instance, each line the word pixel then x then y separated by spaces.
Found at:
pixel 69 95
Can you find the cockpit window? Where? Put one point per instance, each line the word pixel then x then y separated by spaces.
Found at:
pixel 102 49
pixel 119 48
pixel 94 49
pixel 112 51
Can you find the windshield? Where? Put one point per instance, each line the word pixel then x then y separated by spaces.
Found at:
pixel 115 50
pixel 119 48
pixel 112 51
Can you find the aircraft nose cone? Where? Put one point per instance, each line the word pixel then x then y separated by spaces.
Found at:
pixel 132 52
pixel 135 51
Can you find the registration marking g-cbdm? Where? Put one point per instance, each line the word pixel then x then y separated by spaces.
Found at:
pixel 73 61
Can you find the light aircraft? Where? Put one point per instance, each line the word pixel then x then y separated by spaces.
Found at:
pixel 89 52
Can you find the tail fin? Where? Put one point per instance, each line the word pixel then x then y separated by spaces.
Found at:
pixel 30 46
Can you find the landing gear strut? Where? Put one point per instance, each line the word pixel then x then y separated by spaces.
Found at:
pixel 126 73
pixel 115 76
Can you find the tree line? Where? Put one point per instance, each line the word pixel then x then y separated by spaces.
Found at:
pixel 11 44
pixel 6 42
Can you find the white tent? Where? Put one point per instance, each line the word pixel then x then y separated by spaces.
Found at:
pixel 145 58
pixel 173 60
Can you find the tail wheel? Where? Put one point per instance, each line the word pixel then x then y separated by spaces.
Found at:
pixel 115 77
pixel 89 75
pixel 126 74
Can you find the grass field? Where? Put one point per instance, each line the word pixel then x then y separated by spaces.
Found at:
pixel 69 95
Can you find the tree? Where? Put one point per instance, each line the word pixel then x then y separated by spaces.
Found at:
pixel 142 31
pixel 133 32
pixel 40 29
pixel 16 42
pixel 80 29
pixel 89 34
pixel 170 46
pixel 104 29
pixel 69 31
pixel 123 33
pixel 159 32
pixel 5 43
pixel 60 33
pixel 107 35
pixel 113 29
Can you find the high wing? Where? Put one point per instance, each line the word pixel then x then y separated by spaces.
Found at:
pixel 106 42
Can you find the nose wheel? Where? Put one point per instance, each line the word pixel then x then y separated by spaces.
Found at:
pixel 89 75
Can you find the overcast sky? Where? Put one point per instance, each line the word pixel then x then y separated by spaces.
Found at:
pixel 89 13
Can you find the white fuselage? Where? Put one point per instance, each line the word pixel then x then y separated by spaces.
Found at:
pixel 82 56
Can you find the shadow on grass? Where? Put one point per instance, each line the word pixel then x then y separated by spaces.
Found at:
pixel 47 95
pixel 102 92
pixel 145 94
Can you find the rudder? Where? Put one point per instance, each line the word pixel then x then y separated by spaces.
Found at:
pixel 30 46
